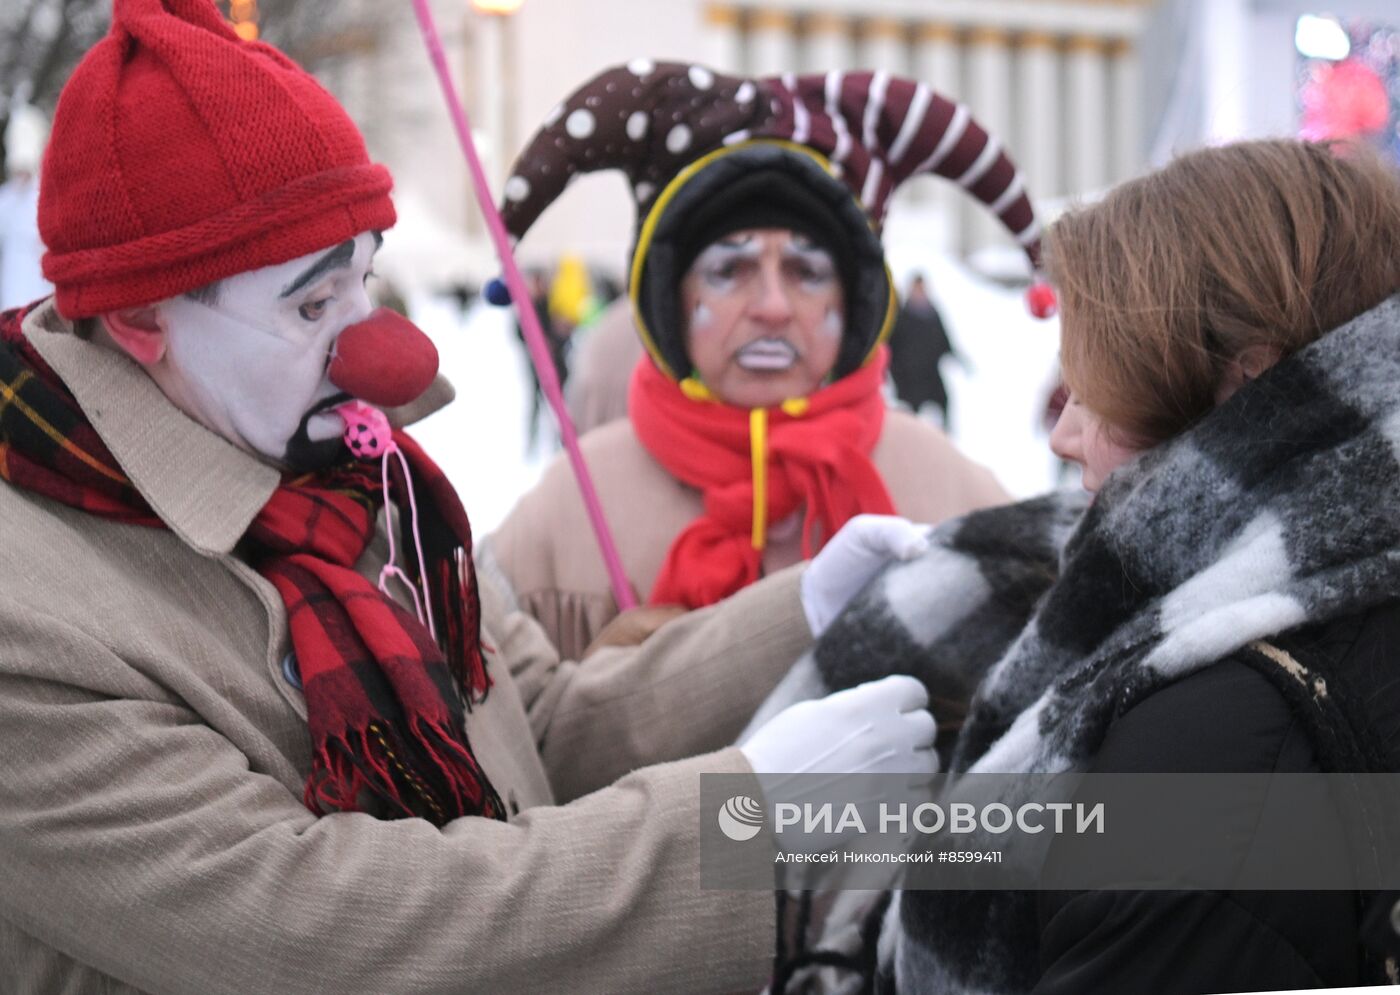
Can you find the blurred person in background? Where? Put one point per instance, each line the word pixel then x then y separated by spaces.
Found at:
pixel 572 302
pixel 21 278
pixel 918 343
pixel 761 294
pixel 541 297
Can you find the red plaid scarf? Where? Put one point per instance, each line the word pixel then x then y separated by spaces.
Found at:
pixel 385 705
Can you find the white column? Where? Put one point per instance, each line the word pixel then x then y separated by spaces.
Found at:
pixel 937 58
pixel 1225 66
pixel 1038 138
pixel 883 46
pixel 989 99
pixel 723 40
pixel 490 70
pixel 1125 69
pixel 826 42
pixel 938 62
pixel 772 43
pixel 1086 131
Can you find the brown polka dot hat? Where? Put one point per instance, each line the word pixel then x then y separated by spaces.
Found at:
pixel 706 154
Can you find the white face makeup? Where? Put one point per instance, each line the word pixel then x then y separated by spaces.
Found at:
pixel 765 314
pixel 251 364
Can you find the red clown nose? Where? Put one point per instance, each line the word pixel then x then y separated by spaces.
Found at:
pixel 385 360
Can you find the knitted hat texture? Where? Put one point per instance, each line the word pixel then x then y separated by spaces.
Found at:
pixel 182 154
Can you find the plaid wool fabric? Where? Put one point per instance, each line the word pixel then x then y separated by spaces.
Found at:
pixel 47 444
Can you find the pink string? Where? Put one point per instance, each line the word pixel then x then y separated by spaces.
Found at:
pixel 391 569
pixel 529 322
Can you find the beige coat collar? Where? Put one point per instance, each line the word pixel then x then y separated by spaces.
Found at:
pixel 205 489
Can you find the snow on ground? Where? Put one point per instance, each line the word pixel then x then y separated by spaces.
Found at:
pixel 996 419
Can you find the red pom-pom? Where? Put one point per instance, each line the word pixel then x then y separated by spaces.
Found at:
pixel 385 360
pixel 1041 301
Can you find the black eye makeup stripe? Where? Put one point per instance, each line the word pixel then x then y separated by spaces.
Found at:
pixel 338 257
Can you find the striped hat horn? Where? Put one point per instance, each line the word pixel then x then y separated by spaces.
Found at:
pixel 882 129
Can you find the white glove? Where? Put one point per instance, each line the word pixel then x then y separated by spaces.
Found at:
pixel 854 555
pixel 881 727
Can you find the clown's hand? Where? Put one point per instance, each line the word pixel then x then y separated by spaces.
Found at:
pixel 852 558
pixel 881 727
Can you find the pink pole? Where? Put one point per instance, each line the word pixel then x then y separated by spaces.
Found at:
pixel 529 321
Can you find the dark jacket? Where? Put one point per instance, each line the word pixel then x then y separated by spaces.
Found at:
pixel 1237 716
pixel 917 342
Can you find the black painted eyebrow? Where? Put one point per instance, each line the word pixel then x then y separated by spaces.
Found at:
pixel 337 257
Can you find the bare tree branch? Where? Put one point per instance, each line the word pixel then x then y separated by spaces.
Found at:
pixel 22 28
pixel 41 41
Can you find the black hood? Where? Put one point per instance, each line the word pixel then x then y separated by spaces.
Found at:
pixel 760 184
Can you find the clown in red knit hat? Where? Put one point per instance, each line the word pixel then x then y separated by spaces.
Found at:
pixel 757 426
pixel 263 729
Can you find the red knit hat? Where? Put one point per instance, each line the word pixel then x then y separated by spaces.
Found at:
pixel 182 154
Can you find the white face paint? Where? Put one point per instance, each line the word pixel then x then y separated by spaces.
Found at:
pixel 766 314
pixel 720 264
pixel 251 364
pixel 767 354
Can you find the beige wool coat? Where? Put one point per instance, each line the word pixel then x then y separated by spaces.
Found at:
pixel 152 833
pixel 547 551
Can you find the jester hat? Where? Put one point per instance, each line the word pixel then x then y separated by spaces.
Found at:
pixel 706 154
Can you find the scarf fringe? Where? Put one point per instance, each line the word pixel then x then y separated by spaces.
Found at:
pixel 457 612
pixel 424 774
pixel 454 604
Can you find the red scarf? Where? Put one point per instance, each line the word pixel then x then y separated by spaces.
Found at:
pixel 818 460
pixel 385 705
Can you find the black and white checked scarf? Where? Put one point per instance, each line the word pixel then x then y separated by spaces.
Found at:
pixel 1280 508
